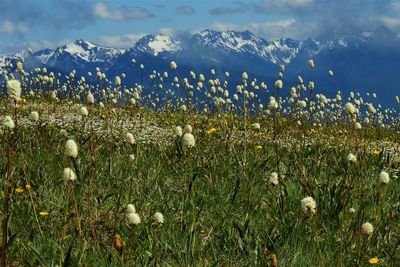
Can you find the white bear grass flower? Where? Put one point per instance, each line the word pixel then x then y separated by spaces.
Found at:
pixel 69 175
pixel 178 131
pixel 274 179
pixel 130 139
pixel 34 116
pixel 188 140
pixel 278 84
pixel 351 158
pixel 384 177
pixel 159 217
pixel 188 129
pixel 90 99
pixel 8 122
pixel 173 65
pixel 308 205
pixel 132 216
pixel 14 89
pixel 71 149
pixel 130 209
pixel 367 228
pixel 84 111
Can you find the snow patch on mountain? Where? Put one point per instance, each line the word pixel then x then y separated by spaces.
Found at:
pixel 155 45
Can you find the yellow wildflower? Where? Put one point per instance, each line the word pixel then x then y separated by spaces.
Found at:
pixel 43 213
pixel 374 260
pixel 211 131
pixel 28 187
pixel 258 147
pixel 376 151
pixel 19 190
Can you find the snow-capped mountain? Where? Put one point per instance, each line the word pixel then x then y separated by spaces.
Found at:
pixel 157 44
pixel 246 43
pixel 351 54
pixel 79 54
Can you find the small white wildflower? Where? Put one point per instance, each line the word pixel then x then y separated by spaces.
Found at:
pixel 173 65
pixel 132 157
pixel 117 81
pixel 300 80
pixel 34 115
pixel 256 126
pixel 130 209
pixel 351 158
pixel 8 122
pixel 133 218
pixel 311 85
pixel 308 205
pixel 14 89
pixel 84 111
pixel 274 179
pixel 352 210
pixel 71 149
pixel 350 108
pixel 384 177
pixel 90 99
pixel 273 104
pixel 188 140
pixel 311 63
pixel 278 84
pixel 129 138
pixel 245 76
pixel 159 217
pixel 53 95
pixel 69 174
pixel 188 129
pixel 178 131
pixel 367 228
pixel 183 108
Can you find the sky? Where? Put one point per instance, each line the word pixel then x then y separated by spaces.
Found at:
pixel 39 24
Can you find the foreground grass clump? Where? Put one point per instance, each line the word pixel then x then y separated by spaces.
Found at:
pixel 216 209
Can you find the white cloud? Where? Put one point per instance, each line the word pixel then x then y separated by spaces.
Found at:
pixel 396 6
pixel 121 41
pixel 34 45
pixel 101 10
pixel 389 21
pixel 287 3
pixel 185 10
pixel 9 27
pixel 167 31
pixel 272 30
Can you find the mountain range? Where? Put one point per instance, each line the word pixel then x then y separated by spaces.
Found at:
pixel 363 61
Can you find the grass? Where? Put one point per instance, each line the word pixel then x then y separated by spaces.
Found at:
pixel 218 203
pixel 216 212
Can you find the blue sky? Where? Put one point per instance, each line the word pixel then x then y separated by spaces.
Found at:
pixel 117 23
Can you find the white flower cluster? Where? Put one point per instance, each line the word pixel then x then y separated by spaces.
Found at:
pixel 308 205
